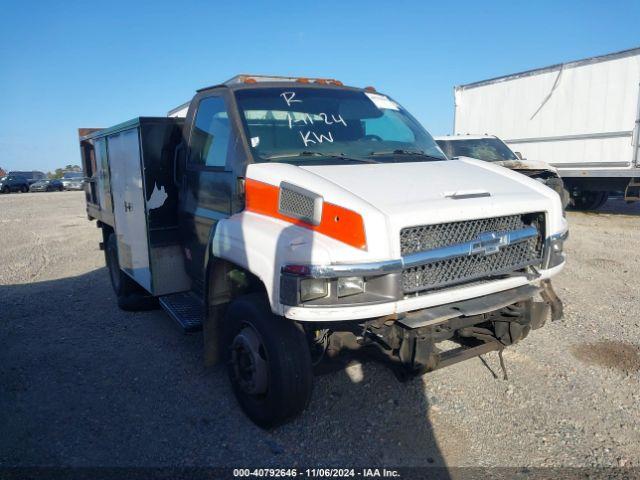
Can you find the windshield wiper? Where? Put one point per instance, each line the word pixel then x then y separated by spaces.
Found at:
pixel 400 151
pixel 293 154
pixel 305 153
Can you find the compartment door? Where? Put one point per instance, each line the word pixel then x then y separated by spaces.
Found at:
pixel 129 205
pixel 103 191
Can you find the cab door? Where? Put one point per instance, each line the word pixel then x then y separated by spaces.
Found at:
pixel 207 182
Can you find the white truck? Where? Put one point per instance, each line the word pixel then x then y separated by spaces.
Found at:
pixel 291 219
pixel 581 117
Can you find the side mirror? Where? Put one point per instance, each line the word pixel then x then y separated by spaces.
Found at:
pixel 519 155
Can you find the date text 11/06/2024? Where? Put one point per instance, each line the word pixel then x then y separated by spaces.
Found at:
pixel 316 472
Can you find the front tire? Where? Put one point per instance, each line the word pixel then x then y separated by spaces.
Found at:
pixel 130 295
pixel 269 362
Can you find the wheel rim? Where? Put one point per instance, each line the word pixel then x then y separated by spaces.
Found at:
pixel 248 361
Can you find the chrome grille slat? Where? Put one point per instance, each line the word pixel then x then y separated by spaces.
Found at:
pixel 467 268
pixel 427 237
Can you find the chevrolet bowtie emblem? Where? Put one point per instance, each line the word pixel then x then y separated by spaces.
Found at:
pixel 489 242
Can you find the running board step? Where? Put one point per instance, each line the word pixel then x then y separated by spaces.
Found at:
pixel 185 309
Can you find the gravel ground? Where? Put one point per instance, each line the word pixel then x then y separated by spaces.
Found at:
pixel 84 384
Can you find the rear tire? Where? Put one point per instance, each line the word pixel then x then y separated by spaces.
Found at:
pixel 130 295
pixel 270 364
pixel 589 200
pixel 24 189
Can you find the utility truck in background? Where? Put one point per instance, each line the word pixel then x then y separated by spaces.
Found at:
pixel 581 117
pixel 291 219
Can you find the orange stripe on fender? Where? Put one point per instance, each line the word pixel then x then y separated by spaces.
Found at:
pixel 337 222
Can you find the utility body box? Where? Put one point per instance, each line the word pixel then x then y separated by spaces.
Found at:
pixel 131 188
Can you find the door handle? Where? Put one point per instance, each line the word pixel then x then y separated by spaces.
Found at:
pixel 128 207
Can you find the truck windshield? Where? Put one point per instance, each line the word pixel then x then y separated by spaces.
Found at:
pixel 299 124
pixel 487 149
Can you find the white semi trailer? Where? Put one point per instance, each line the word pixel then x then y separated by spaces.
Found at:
pixel 582 117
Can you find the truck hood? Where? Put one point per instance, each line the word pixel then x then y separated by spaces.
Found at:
pixel 391 196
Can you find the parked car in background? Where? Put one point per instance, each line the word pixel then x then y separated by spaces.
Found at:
pixel 75 183
pixel 13 183
pixel 53 185
pixel 32 176
pixel 490 148
pixel 73 175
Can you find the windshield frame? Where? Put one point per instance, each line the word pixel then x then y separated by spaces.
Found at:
pixel 332 157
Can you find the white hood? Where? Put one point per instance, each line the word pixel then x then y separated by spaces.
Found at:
pixel 390 196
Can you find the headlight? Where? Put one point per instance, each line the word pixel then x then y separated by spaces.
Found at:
pixel 350 286
pixel 313 288
pixel 308 285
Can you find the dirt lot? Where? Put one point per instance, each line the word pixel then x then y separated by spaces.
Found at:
pixel 84 384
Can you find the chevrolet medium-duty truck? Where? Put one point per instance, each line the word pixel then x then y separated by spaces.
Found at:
pixel 292 219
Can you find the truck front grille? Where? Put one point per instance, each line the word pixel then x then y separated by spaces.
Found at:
pixel 467 268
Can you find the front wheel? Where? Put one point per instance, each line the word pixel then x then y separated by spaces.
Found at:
pixel 6 190
pixel 269 362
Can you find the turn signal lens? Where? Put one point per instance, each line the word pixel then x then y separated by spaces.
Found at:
pixel 313 288
pixel 350 286
pixel 301 270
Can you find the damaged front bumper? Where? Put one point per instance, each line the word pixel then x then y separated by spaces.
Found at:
pixel 477 325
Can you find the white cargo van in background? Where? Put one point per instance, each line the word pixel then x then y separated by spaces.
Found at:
pixel 581 117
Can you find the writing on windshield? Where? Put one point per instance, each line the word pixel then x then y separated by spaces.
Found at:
pixel 310 137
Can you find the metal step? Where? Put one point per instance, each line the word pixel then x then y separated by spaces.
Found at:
pixel 185 309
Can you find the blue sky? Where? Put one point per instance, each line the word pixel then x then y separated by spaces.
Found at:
pixel 65 65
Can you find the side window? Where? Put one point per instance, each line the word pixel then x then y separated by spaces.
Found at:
pixel 211 133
